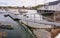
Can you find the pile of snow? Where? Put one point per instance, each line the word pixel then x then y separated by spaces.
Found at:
pixel 58 36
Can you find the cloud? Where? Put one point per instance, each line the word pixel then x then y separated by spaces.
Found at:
pixel 22 2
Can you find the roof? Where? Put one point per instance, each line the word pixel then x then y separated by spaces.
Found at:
pixel 54 3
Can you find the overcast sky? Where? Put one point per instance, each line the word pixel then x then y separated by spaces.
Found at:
pixel 22 2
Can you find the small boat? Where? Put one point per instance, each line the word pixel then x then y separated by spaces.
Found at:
pixel 6 27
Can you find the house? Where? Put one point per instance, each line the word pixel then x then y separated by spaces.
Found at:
pixel 51 10
pixel 51 6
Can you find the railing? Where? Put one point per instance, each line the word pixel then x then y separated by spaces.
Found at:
pixel 25 29
pixel 38 31
pixel 37 19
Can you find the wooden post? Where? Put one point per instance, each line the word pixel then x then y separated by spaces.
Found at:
pixel 54 17
pixel 34 17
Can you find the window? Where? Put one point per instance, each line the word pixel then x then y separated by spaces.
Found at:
pixel 46 7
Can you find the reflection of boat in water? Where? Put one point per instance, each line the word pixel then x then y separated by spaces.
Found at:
pixel 6 27
pixel 3 34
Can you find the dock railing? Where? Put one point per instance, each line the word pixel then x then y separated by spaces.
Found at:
pixel 39 20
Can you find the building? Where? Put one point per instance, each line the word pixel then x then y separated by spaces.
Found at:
pixel 51 6
pixel 51 10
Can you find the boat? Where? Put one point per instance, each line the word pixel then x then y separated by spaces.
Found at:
pixel 6 27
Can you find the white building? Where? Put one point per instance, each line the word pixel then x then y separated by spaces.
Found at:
pixel 51 6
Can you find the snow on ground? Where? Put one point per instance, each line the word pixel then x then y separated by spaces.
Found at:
pixel 58 36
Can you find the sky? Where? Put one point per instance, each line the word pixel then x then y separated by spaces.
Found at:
pixel 27 3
